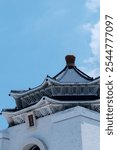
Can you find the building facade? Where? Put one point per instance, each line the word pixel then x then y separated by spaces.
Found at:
pixel 61 113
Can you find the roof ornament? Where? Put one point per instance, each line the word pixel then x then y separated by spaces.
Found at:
pixel 70 60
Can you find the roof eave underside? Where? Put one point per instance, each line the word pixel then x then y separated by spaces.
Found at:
pixel 45 101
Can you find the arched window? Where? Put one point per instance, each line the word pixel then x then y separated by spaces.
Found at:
pixel 33 144
pixel 35 147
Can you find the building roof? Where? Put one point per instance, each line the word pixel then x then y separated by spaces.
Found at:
pixel 71 74
pixel 69 87
pixel 47 106
pixel 68 83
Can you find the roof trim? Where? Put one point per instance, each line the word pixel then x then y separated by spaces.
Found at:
pixel 48 81
pixel 77 71
pixel 60 72
pixel 48 100
pixel 16 94
pixel 83 74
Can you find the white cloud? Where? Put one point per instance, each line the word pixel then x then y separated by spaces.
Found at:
pixel 94 59
pixel 95 40
pixel 87 26
pixel 93 4
pixel 94 43
pixel 94 72
pixel 91 72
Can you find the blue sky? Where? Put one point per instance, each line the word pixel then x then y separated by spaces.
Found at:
pixel 36 35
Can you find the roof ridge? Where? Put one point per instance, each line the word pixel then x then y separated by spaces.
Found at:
pixel 60 72
pixel 82 73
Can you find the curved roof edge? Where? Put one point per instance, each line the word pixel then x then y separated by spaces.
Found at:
pixel 48 81
pixel 16 94
pixel 45 101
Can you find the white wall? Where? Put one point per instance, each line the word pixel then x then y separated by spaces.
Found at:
pixel 90 134
pixel 4 141
pixel 73 129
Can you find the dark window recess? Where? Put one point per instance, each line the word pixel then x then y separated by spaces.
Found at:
pixel 31 120
pixel 35 148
